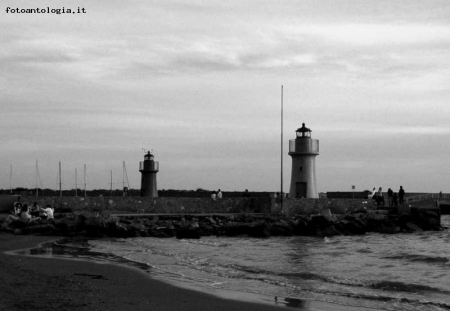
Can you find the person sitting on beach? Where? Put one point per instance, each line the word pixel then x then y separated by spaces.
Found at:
pixel 17 209
pixel 25 213
pixel 35 210
pixel 219 194
pixel 213 195
pixel 48 211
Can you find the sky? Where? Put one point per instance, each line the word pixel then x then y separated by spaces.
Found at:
pixel 199 84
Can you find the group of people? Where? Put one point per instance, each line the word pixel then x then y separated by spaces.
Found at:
pixel 32 213
pixel 216 195
pixel 394 198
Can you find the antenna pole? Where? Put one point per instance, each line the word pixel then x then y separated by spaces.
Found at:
pixel 281 202
pixel 76 185
pixel 85 180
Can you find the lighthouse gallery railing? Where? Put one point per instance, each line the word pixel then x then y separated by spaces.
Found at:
pixel 304 145
pixel 153 166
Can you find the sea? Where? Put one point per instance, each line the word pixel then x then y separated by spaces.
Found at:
pixel 408 271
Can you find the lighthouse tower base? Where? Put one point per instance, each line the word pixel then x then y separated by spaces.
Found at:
pixel 303 177
pixel 148 185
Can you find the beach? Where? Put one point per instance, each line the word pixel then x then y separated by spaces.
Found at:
pixel 33 283
pixel 36 283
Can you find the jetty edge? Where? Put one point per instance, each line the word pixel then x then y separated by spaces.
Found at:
pixel 196 217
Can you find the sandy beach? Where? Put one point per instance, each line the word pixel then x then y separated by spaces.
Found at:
pixel 33 283
pixel 36 283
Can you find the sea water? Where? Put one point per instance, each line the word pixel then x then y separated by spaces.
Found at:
pixel 392 272
pixel 389 272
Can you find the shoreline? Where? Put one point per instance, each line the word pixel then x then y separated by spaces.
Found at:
pixel 37 282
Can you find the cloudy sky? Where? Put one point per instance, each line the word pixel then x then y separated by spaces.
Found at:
pixel 199 83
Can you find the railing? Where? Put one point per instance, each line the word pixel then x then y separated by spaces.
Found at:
pixel 426 196
pixel 152 166
pixel 304 145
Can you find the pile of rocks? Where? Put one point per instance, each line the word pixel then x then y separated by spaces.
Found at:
pixel 195 226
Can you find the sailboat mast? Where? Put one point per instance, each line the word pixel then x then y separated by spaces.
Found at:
pixel 60 183
pixel 123 179
pixel 76 185
pixel 85 180
pixel 36 178
pixel 10 179
pixel 111 183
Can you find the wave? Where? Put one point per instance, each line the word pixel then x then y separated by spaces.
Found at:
pixel 420 258
pixel 405 287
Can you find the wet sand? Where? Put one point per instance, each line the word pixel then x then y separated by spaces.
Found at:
pixel 36 283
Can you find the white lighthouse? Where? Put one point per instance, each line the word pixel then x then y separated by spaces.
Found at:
pixel 148 168
pixel 303 151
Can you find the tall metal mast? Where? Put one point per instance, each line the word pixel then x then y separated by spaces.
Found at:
pixel 281 193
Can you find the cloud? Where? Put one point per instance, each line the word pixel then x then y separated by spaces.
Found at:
pixel 369 130
pixel 362 34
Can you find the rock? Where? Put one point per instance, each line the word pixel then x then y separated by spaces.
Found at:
pixel 281 228
pixel 64 225
pixel 136 230
pixel 47 229
pixel 80 221
pixel 413 227
pixel 211 220
pixel 232 229
pixel 303 227
pixel 258 230
pixel 354 226
pixel 320 221
pixel 207 229
pixel 187 233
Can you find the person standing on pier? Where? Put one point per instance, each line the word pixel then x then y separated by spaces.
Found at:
pixel 390 194
pixel 401 195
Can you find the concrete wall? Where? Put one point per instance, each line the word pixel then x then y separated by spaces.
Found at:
pixel 315 206
pixel 198 205
pixel 7 202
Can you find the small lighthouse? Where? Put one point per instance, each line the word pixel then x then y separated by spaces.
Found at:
pixel 303 151
pixel 148 168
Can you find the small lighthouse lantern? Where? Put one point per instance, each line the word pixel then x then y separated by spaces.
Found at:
pixel 303 131
pixel 148 156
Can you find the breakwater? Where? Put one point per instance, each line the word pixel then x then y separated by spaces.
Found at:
pixel 226 224
pixel 189 205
